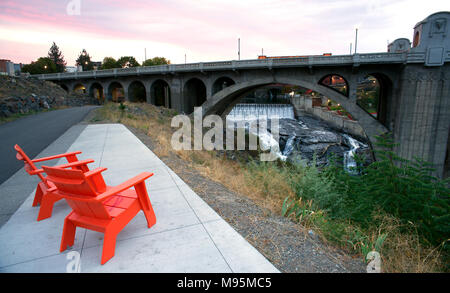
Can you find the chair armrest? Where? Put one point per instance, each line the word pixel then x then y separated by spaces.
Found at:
pixel 55 157
pixel 76 164
pixel 37 171
pixel 94 172
pixel 124 186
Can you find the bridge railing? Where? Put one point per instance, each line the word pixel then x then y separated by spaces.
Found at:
pixel 382 57
pixel 105 72
pixel 244 64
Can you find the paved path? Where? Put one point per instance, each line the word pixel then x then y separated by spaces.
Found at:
pixel 34 133
pixel 188 236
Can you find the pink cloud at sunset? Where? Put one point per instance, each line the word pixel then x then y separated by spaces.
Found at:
pixel 204 30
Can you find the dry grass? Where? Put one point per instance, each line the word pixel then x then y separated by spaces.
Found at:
pixel 267 187
pixel 268 192
pixel 402 250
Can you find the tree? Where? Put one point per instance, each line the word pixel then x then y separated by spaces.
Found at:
pixel 85 61
pixel 58 58
pixel 156 61
pixel 109 63
pixel 127 61
pixel 42 65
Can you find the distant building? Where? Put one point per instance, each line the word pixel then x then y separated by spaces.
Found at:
pixel 6 67
pixel 97 65
pixel 18 68
pixel 71 69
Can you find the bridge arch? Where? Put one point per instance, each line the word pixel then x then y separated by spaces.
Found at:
pixel 219 102
pixel 160 93
pixel 116 92
pixel 137 92
pixel 374 93
pixel 335 82
pixel 96 91
pixel 194 94
pixel 221 83
pixel 79 88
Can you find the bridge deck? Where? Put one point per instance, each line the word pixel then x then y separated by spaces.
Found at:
pixel 307 61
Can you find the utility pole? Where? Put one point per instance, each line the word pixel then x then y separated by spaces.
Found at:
pixel 239 48
pixel 184 59
pixel 356 39
pixel 145 54
pixel 350 48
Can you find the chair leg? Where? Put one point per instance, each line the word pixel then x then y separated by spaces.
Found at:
pixel 150 216
pixel 109 246
pixel 38 195
pixel 46 209
pixel 145 203
pixel 68 236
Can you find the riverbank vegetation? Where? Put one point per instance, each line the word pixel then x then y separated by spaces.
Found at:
pixel 394 206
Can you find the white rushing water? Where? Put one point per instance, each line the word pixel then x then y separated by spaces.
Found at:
pixel 289 147
pixel 252 112
pixel 268 142
pixel 248 112
pixel 349 156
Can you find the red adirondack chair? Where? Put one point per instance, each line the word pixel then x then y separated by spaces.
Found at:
pixel 42 197
pixel 98 207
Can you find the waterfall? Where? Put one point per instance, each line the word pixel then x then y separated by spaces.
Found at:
pixel 349 156
pixel 248 112
pixel 266 139
pixel 289 147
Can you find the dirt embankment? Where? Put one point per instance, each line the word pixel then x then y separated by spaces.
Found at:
pixel 21 95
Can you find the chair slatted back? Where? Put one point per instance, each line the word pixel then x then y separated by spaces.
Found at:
pixel 30 167
pixel 78 191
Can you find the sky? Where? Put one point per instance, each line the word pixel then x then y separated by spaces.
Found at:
pixel 204 30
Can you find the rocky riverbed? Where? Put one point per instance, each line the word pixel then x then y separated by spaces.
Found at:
pixel 305 136
pixel 301 139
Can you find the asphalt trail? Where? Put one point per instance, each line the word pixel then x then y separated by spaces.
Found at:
pixel 33 134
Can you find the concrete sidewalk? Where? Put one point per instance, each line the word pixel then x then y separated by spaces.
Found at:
pixel 188 236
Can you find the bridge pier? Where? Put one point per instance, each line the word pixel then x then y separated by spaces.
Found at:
pixel 108 95
pixel 423 120
pixel 125 94
pixel 176 94
pixel 148 93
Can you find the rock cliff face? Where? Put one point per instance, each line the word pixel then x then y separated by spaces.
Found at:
pixel 23 95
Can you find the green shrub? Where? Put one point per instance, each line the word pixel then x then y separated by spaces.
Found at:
pixel 402 188
pixel 122 107
pixel 344 207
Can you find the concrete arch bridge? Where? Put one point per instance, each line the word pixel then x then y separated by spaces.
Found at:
pixel 414 99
